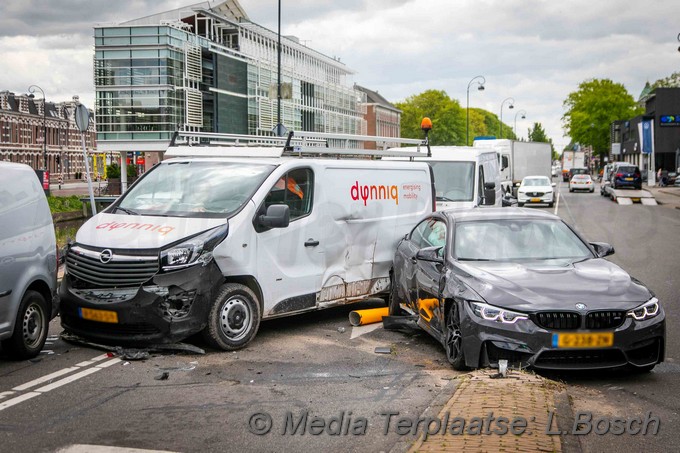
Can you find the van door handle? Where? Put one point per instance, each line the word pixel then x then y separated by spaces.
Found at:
pixel 311 243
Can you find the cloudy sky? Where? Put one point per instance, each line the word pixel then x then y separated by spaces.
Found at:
pixel 535 51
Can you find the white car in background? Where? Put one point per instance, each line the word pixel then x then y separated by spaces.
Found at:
pixel 536 189
pixel 581 182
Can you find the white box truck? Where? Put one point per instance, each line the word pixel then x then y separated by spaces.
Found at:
pixel 519 159
pixel 217 238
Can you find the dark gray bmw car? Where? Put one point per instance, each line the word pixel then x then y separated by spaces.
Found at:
pixel 521 285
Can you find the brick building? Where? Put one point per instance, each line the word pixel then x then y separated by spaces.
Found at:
pixel 26 121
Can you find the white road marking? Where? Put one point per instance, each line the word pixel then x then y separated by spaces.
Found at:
pixel 18 399
pixel 92 361
pixel 53 385
pixel 85 448
pixel 361 330
pixel 109 363
pixel 557 202
pixel 40 380
pixel 67 380
pixel 6 394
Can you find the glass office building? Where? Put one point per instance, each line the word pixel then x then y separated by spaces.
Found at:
pixel 207 69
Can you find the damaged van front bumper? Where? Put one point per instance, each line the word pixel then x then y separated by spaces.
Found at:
pixel 167 308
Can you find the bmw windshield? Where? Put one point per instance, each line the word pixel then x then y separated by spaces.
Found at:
pixel 517 239
pixel 194 189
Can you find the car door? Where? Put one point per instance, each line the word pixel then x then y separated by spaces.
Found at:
pixel 290 260
pixel 429 277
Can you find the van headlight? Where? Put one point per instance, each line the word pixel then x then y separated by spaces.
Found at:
pixel 645 311
pixel 194 250
pixel 491 313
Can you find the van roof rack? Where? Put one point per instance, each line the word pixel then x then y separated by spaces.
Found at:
pixel 300 144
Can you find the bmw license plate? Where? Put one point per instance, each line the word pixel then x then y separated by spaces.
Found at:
pixel 583 340
pixel 98 315
pixel 535 200
pixel 628 179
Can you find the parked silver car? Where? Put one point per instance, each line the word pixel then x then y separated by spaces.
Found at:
pixel 28 262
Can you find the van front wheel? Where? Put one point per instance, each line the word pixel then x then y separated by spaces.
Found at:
pixel 234 318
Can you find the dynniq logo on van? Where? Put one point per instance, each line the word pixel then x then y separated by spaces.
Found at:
pixel 381 192
pixel 374 192
pixel 111 226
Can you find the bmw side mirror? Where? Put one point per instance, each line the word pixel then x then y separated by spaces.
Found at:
pixel 554 184
pixel 278 216
pixel 431 254
pixel 602 249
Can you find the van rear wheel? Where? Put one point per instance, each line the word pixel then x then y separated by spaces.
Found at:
pixel 234 318
pixel 30 328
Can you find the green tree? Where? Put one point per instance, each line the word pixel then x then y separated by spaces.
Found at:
pixel 592 108
pixel 537 134
pixel 448 118
pixel 672 81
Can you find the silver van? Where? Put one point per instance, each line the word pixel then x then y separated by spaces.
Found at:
pixel 28 262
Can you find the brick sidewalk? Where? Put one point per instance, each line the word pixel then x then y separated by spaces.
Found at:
pixel 521 394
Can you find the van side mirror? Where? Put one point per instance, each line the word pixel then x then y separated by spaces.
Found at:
pixel 602 249
pixel 489 193
pixel 278 216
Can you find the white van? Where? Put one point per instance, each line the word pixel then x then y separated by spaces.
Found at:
pixel 28 262
pixel 215 244
pixel 464 176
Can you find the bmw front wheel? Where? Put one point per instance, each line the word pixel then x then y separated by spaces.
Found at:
pixel 454 338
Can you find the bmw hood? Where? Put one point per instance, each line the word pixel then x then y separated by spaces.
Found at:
pixel 555 285
pixel 140 232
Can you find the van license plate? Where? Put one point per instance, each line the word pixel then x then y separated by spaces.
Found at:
pixel 583 340
pixel 535 200
pixel 98 315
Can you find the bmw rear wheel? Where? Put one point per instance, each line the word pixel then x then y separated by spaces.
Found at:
pixel 454 338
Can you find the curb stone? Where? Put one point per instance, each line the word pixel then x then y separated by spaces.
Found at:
pixel 521 394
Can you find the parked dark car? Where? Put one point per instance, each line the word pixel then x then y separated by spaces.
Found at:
pixel 521 285
pixel 626 175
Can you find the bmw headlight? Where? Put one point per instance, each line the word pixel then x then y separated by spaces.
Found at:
pixel 194 250
pixel 645 311
pixel 491 313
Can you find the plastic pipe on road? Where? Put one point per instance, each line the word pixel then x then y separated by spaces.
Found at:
pixel 368 316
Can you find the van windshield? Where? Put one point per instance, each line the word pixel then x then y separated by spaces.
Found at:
pixel 454 181
pixel 194 189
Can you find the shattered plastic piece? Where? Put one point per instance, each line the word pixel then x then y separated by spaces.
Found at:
pixel 132 354
pixel 126 363
pixel 341 329
pixel 383 350
pixel 503 367
pixel 405 324
pixel 163 376
pixel 179 347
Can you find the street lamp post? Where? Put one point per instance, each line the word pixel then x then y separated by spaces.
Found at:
pixel 31 90
pixel 511 101
pixel 524 115
pixel 467 105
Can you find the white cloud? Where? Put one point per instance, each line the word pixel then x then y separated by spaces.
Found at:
pixel 536 51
